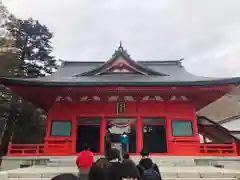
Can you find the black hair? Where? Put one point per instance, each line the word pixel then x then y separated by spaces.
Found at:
pixel 100 170
pixel 65 176
pixel 114 154
pixel 126 156
pixel 144 153
pixel 85 146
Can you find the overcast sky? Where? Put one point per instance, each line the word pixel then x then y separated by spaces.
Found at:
pixel 205 32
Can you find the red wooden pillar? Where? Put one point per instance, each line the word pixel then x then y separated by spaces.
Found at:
pixel 74 133
pixel 169 137
pixel 139 134
pixel 103 126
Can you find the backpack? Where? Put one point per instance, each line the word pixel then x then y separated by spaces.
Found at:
pixel 149 174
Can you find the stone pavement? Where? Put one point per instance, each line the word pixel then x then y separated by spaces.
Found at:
pixel 168 173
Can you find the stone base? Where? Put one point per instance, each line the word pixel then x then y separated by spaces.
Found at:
pixel 174 173
pixel 9 163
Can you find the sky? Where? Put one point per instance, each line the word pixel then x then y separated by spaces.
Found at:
pixel 205 32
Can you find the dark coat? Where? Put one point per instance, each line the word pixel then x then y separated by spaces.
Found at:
pixel 97 173
pixel 147 163
pixel 115 171
pixel 129 169
pixel 99 170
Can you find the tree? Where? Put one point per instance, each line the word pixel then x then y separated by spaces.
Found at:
pixel 9 64
pixel 33 44
pixel 24 51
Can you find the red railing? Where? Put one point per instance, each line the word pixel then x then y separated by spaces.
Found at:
pixel 218 149
pixel 64 149
pixel 52 149
pixel 25 149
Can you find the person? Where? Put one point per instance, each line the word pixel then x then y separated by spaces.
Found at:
pixel 84 161
pixel 115 170
pixel 147 169
pixel 124 142
pixel 99 170
pixel 107 143
pixel 65 176
pixel 129 169
pixel 126 156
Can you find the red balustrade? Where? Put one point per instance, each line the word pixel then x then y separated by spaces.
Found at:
pixel 53 149
pixel 64 149
pixel 25 149
pixel 218 149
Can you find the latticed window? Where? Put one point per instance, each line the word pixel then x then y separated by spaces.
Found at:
pixel 61 128
pixel 182 128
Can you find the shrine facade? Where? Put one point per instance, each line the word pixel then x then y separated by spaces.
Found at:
pixel 154 102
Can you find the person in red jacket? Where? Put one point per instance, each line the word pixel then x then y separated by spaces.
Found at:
pixel 84 162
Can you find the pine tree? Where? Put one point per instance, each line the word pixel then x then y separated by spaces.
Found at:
pixel 25 49
pixel 33 44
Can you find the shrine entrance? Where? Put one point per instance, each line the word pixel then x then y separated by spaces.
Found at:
pixel 154 135
pixel 88 130
pixel 116 127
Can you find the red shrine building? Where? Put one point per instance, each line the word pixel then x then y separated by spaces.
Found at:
pixel 154 102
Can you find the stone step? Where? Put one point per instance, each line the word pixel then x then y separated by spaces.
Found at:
pixel 164 175
pixel 65 163
pixel 164 179
pixel 174 173
pixel 71 162
pixel 29 179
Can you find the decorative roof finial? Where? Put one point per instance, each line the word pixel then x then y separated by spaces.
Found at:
pixel 120 45
pixel 120 48
pixel 181 58
pixel 121 51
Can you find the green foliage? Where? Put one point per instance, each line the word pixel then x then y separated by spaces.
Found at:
pixel 33 44
pixel 28 54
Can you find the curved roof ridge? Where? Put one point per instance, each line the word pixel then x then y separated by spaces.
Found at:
pixel 175 62
pixel 121 53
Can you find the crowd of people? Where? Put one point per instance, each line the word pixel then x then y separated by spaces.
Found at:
pixel 113 167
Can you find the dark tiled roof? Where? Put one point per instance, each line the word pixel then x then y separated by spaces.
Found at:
pixel 177 75
pixel 158 73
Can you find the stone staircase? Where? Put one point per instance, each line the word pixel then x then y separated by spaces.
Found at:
pixel 172 168
pixel 160 161
pixel 168 173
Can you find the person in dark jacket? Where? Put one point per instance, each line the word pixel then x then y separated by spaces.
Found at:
pixel 129 170
pixel 99 170
pixel 147 163
pixel 107 143
pixel 115 171
pixel 126 158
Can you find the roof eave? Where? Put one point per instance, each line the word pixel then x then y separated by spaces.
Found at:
pixel 26 82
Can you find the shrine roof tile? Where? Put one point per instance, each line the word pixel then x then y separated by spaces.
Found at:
pixel 142 73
